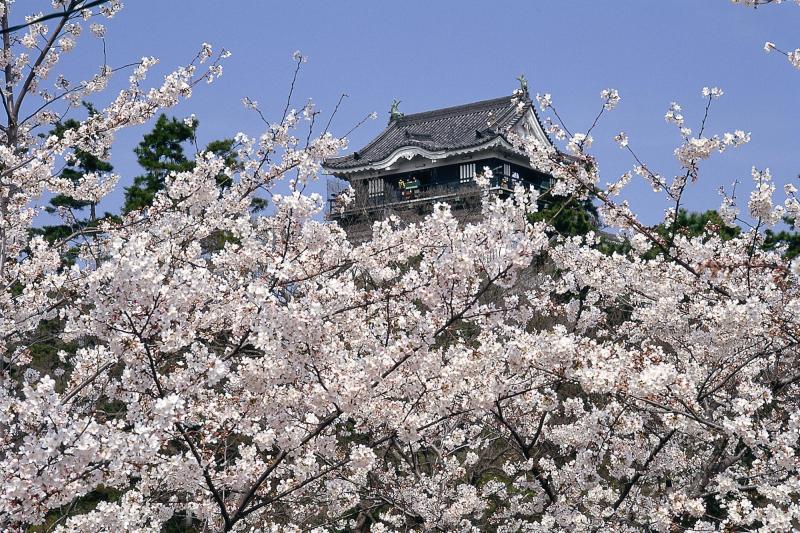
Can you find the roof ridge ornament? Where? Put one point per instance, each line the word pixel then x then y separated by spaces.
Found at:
pixel 394 112
pixel 523 87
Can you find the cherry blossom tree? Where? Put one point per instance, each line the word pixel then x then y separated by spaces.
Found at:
pixel 793 56
pixel 487 376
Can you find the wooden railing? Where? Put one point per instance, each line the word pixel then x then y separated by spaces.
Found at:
pixel 398 197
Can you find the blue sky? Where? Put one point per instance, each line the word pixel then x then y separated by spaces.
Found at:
pixel 438 53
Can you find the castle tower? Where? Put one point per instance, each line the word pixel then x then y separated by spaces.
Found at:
pixel 434 156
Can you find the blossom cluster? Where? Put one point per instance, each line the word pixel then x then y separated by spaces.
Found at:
pixel 793 56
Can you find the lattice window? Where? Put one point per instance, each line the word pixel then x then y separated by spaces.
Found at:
pixel 506 169
pixel 375 187
pixel 467 173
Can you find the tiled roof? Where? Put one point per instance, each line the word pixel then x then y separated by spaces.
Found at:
pixel 451 128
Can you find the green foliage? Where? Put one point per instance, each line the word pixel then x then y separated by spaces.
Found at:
pixel 182 523
pixel 45 345
pixel 84 163
pixel 159 153
pixel 709 222
pixel 788 239
pixel 81 505
pixel 223 148
pixel 693 225
pixel 696 225
pixel 570 217
pixel 74 170
pixel 567 216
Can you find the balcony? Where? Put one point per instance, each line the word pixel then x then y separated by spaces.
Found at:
pixel 411 194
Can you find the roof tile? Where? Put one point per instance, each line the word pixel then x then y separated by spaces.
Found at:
pixel 450 128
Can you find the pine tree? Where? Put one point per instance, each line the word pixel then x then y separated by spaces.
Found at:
pixel 567 216
pixel 789 239
pixel 159 153
pixel 83 163
pixel 162 151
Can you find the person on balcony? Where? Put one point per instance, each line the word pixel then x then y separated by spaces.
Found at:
pixel 409 187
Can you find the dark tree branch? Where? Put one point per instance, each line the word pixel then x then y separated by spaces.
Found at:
pixel 72 10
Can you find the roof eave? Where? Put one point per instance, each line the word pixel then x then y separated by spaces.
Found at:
pixel 527 116
pixel 409 152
